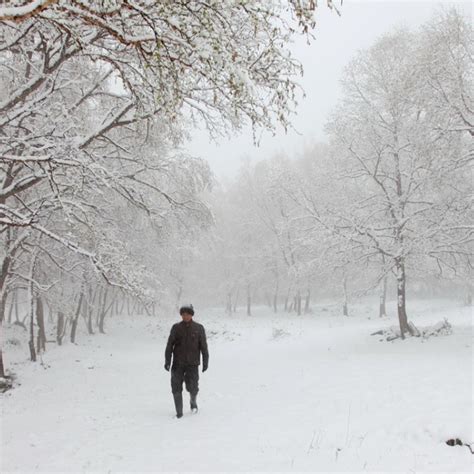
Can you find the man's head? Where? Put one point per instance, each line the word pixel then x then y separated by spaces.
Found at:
pixel 187 312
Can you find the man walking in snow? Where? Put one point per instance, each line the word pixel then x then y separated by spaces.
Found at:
pixel 187 341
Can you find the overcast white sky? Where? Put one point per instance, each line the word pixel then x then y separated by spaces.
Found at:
pixel 337 40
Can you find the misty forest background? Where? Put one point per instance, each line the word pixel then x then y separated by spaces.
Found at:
pixel 104 213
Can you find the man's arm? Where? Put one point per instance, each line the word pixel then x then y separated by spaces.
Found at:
pixel 169 348
pixel 204 350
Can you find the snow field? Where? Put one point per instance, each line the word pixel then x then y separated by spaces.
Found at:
pixel 315 393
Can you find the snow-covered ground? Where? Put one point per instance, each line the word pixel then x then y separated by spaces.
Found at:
pixel 282 393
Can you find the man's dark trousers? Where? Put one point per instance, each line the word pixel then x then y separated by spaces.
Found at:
pixel 189 374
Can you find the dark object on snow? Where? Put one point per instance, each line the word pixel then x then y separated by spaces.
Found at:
pixel 6 383
pixel 167 367
pixel 187 308
pixel 189 375
pixel 458 442
pixel 178 403
pixel 186 342
pixel 193 402
pixel 454 442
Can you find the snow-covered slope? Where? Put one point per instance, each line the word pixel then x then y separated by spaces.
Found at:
pixel 314 393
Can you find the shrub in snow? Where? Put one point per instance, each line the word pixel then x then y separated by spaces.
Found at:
pixel 5 384
pixel 13 341
pixel 443 328
pixel 277 333
pixel 458 442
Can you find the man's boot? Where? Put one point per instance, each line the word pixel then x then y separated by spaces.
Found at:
pixel 178 403
pixel 194 407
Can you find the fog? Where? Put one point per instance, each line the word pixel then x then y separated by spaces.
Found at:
pixel 338 38
pixel 264 204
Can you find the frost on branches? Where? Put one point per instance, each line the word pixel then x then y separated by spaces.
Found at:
pixel 223 62
pixel 402 140
pixel 94 98
pixel 385 206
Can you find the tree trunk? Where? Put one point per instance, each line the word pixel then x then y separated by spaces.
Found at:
pixel 12 304
pixel 100 292
pixel 60 329
pixel 2 368
pixel 135 308
pixel 4 270
pixel 101 322
pixel 102 318
pixel 401 297
pixel 179 294
pixel 90 329
pixel 3 305
pixel 298 303
pixel 87 311
pixel 383 298
pixel 307 301
pixel 122 305
pixel 3 285
pixel 17 314
pixel 50 312
pixel 41 337
pixel 31 342
pixel 268 300
pixel 469 295
pixel 76 318
pixel 345 310
pixel 399 261
pixel 249 302
pixel 228 306
pixel 32 300
pixel 277 286
pixel 104 311
pixel 236 299
pixel 286 301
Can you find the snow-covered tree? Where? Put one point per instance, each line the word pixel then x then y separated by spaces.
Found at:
pixel 84 85
pixel 446 57
pixel 391 147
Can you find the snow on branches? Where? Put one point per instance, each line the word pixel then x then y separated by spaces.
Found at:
pixel 220 62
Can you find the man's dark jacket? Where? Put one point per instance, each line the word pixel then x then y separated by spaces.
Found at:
pixel 186 342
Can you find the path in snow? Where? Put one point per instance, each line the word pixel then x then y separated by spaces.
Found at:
pixel 281 394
